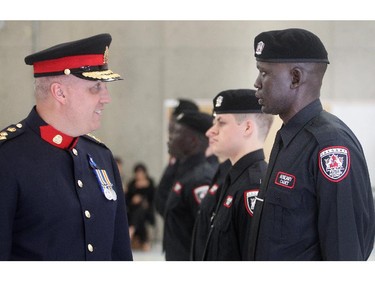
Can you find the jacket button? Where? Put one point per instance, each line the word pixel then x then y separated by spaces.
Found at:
pixel 87 214
pixel 75 152
pixel 80 183
pixel 90 248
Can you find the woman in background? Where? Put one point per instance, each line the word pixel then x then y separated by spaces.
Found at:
pixel 139 197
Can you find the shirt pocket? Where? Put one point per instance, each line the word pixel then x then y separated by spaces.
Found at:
pixel 224 241
pixel 281 210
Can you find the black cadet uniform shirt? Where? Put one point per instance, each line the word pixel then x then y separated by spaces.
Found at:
pixel 232 219
pixel 206 208
pixel 318 204
pixel 164 186
pixel 51 203
pixel 191 184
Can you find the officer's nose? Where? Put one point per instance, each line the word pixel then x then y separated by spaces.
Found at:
pixel 105 97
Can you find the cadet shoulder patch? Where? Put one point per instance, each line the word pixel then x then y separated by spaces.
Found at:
pixel 249 197
pixel 11 132
pixel 200 192
pixel 334 163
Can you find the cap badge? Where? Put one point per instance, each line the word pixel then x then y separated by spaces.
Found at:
pixel 57 139
pixel 179 117
pixel 106 54
pixel 260 48
pixel 219 101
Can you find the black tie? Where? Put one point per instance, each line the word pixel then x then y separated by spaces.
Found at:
pixel 260 198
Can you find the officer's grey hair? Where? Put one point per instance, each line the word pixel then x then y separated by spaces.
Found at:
pixel 263 121
pixel 42 85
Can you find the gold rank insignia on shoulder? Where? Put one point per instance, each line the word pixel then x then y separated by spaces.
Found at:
pixel 4 135
pixel 94 138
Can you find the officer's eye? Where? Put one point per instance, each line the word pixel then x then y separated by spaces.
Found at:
pixel 96 88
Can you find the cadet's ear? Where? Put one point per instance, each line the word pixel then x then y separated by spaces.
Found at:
pixel 57 92
pixel 249 126
pixel 296 74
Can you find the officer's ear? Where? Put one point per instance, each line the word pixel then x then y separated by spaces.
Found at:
pixel 58 92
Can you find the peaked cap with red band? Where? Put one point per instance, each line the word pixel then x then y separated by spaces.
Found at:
pixel 86 58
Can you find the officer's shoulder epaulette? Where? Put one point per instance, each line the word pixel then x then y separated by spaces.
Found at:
pixel 94 139
pixel 11 132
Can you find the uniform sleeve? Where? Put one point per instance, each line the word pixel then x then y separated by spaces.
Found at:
pixel 8 206
pixel 121 250
pixel 345 203
pixel 243 218
pixel 164 187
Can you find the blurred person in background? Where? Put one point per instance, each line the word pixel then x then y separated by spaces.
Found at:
pixel 188 143
pixel 140 201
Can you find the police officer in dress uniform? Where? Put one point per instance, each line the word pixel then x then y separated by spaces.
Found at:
pixel 61 191
pixel 188 143
pixel 238 133
pixel 316 201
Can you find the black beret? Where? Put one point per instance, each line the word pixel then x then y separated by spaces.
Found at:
pixel 184 105
pixel 196 120
pixel 289 45
pixel 236 101
pixel 85 58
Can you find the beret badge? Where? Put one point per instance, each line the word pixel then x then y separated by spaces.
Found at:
pixel 219 100
pixel 260 48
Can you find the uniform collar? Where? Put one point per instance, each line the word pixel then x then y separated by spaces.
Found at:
pixel 49 133
pixel 245 161
pixel 57 138
pixel 298 122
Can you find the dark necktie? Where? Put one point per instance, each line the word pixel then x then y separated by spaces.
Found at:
pixel 260 198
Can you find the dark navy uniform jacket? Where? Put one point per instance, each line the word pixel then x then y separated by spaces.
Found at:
pixel 232 218
pixel 191 184
pixel 206 209
pixel 51 203
pixel 318 204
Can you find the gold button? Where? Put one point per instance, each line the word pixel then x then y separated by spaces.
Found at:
pixel 75 152
pixel 80 183
pixel 87 214
pixel 90 248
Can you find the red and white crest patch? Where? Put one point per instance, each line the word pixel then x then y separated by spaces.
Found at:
pixel 334 163
pixel 250 199
pixel 200 192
